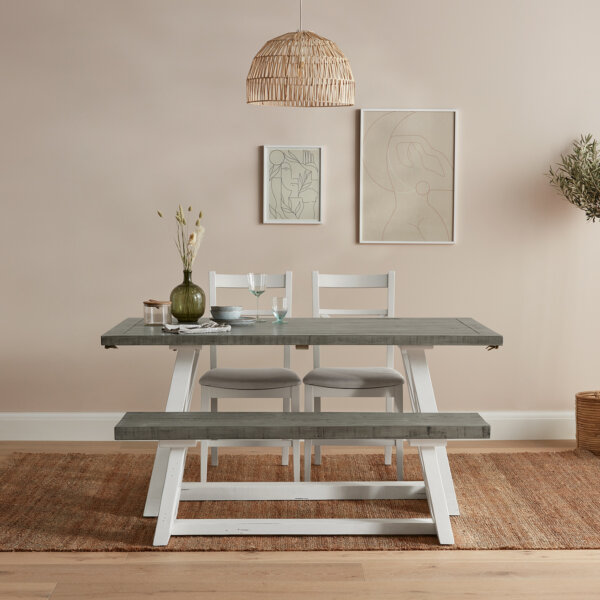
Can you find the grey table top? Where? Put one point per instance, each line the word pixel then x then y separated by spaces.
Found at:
pixel 278 425
pixel 432 331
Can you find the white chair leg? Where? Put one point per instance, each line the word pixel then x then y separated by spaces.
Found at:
pixel 296 459
pixel 170 497
pixel 214 451
pixel 387 452
pixel 436 494
pixel 295 396
pixel 309 404
pixel 307 457
pixel 285 451
pixel 203 461
pixel 204 407
pixel 399 407
pixel 204 400
pixel 317 405
pixel 295 407
pixel 399 460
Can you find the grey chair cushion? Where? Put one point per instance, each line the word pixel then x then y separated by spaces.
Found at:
pixel 250 379
pixel 353 378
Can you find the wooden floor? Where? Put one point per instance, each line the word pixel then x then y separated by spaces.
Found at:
pixel 290 575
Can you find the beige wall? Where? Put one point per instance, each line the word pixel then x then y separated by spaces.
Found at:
pixel 112 109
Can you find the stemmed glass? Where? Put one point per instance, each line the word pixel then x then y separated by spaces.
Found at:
pixel 257 283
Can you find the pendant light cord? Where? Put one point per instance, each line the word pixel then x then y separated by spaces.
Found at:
pixel 300 16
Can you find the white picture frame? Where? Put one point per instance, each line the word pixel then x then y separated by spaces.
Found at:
pixel 414 203
pixel 293 185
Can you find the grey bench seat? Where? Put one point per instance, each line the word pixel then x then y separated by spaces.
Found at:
pixel 179 431
pixel 314 426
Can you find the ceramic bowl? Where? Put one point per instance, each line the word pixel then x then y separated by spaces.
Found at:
pixel 225 313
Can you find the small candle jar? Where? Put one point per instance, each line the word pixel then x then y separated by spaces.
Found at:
pixel 157 312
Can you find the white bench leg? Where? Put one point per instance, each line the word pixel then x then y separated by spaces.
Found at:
pixel 436 495
pixel 170 497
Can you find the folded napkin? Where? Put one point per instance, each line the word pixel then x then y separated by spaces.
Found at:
pixel 196 328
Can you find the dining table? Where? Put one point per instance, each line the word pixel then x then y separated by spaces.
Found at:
pixel 414 336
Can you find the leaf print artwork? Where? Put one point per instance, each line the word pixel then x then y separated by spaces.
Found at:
pixel 292 184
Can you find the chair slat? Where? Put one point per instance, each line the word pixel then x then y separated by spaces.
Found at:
pixel 352 281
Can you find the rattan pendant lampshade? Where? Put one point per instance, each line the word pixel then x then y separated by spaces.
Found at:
pixel 300 69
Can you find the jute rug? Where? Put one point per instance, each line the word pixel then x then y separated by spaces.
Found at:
pixel 69 502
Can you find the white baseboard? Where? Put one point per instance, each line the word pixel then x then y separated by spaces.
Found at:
pixel 531 424
pixel 97 427
pixel 58 426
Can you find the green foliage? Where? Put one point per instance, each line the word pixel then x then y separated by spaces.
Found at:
pixel 577 176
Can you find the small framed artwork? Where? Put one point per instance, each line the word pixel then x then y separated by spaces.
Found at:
pixel 407 176
pixel 292 185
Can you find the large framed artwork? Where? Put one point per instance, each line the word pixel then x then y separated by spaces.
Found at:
pixel 407 176
pixel 292 185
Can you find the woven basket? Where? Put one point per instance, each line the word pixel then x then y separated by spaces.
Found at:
pixel 587 418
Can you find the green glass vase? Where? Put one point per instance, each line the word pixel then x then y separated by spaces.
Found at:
pixel 187 300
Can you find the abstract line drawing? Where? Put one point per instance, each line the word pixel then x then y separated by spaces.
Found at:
pixel 407 176
pixel 292 191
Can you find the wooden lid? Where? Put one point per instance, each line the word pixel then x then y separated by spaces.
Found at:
pixel 156 302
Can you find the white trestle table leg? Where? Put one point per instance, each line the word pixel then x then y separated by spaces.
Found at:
pixel 436 496
pixel 180 393
pixel 423 400
pixel 171 491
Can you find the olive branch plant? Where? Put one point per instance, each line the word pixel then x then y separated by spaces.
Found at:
pixel 187 243
pixel 577 176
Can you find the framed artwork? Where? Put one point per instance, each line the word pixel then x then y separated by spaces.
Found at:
pixel 292 186
pixel 407 176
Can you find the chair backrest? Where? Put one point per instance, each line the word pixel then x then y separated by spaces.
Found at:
pixel 385 280
pixel 232 281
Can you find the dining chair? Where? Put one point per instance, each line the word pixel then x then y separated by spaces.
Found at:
pixel 351 382
pixel 270 382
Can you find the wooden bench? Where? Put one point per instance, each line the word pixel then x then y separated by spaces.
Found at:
pixel 178 431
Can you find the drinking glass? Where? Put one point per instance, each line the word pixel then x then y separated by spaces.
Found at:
pixel 280 309
pixel 257 283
